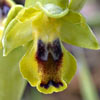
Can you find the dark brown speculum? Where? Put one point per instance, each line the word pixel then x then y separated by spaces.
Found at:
pixel 49 57
pixel 4 8
pixel 44 50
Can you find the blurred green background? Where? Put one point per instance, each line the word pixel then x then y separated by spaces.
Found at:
pixel 86 83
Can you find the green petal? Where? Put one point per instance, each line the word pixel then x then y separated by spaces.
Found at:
pixel 19 30
pixel 76 5
pixel 52 10
pixel 75 31
pixel 27 14
pixel 69 66
pixel 12 14
pixel 61 3
pixel 29 67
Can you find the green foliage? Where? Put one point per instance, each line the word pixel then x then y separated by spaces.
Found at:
pixel 11 82
pixel 87 86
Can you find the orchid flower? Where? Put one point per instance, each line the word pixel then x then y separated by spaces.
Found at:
pixel 43 25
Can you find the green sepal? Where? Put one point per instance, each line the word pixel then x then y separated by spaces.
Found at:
pixel 76 5
pixel 12 14
pixel 15 35
pixel 19 30
pixel 69 66
pixel 75 31
pixel 62 3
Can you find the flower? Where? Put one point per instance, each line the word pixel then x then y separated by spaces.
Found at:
pixel 42 26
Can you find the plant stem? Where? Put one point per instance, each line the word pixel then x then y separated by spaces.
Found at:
pixel 88 89
pixel 11 82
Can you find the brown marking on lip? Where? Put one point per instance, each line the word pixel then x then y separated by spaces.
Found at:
pixel 50 72
pixel 50 63
pixel 50 69
pixel 55 84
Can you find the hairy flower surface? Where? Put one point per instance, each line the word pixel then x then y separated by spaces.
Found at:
pixel 43 25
